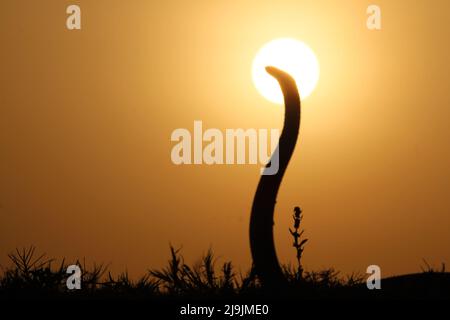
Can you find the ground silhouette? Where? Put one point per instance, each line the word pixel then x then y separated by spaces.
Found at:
pixel 34 276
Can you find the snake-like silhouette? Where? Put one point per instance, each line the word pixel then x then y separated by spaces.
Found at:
pixel 265 261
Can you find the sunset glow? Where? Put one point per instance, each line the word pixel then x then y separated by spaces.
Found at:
pixel 289 55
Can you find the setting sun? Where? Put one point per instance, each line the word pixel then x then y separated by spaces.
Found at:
pixel 289 55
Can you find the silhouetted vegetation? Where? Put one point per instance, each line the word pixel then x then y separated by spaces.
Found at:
pixel 299 243
pixel 36 276
pixel 32 275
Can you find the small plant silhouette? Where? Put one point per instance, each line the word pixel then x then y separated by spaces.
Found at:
pixel 430 269
pixel 299 243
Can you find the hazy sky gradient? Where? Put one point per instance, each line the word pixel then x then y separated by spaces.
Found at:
pixel 86 118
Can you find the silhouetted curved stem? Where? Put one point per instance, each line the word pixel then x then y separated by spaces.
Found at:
pixel 262 244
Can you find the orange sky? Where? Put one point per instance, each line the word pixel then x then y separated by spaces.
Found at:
pixel 86 118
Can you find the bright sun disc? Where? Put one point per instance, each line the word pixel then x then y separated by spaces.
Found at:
pixel 289 55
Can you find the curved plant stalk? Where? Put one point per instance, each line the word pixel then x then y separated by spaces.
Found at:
pixel 265 261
